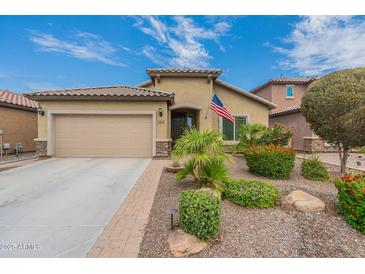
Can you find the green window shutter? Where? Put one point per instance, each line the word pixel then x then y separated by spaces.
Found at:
pixel 227 130
pixel 239 121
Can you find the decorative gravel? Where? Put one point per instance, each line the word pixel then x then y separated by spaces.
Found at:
pixel 270 232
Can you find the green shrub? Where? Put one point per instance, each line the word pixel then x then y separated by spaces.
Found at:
pixel 199 213
pixel 313 169
pixel 362 149
pixel 252 193
pixel 271 161
pixel 351 197
pixel 277 135
pixel 256 134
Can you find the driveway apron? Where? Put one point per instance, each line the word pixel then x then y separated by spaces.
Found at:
pixel 58 207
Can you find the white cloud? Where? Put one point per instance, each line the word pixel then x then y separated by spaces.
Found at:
pixel 84 46
pixel 320 44
pixel 40 86
pixel 180 45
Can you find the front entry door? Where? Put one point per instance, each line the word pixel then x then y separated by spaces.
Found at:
pixel 178 125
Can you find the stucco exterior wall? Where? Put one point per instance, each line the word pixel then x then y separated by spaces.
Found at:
pixel 197 91
pixel 299 125
pixel 279 96
pixel 241 105
pixel 265 93
pixel 20 126
pixel 161 123
pixel 190 90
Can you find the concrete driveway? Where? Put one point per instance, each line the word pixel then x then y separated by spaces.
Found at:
pixel 58 207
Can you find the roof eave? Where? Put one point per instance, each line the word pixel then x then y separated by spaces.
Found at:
pixel 98 97
pixel 9 105
pixel 254 97
pixel 287 82
pixel 184 74
pixel 283 113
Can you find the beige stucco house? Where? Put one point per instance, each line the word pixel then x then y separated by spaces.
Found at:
pixel 141 121
pixel 18 121
pixel 287 94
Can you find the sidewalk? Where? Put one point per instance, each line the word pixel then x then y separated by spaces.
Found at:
pixel 14 164
pixel 355 161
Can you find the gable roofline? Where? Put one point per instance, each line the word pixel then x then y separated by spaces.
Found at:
pixel 180 72
pixel 285 81
pixel 240 91
pixel 144 84
pixel 15 100
pixel 103 92
pixel 289 110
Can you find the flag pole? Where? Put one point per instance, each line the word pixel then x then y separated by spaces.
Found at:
pixel 210 101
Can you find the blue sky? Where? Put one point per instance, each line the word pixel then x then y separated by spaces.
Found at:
pixel 52 52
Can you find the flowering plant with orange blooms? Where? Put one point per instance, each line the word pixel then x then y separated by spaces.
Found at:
pixel 271 161
pixel 351 197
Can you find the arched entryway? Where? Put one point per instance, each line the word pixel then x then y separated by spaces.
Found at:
pixel 182 117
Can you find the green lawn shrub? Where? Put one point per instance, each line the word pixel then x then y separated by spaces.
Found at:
pixel 252 193
pixel 199 213
pixel 313 169
pixel 271 161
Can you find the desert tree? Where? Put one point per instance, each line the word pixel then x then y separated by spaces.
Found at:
pixel 334 106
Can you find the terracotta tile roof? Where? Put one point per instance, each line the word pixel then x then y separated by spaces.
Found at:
pixel 184 70
pixel 11 98
pixel 111 91
pixel 291 109
pixel 286 81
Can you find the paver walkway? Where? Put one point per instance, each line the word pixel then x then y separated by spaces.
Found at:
pixel 124 233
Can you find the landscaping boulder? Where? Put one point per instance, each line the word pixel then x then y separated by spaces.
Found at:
pixel 173 169
pixel 182 244
pixel 303 201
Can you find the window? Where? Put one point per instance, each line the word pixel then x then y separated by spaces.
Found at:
pixel 289 91
pixel 231 130
pixel 189 120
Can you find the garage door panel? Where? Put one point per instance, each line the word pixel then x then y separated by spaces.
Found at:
pixel 103 135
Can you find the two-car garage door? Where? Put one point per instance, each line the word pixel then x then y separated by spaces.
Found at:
pixel 77 135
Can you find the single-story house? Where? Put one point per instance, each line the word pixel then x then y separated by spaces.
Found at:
pixel 141 121
pixel 287 94
pixel 18 121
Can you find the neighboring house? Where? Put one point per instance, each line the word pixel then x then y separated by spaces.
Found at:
pixel 287 93
pixel 141 121
pixel 18 121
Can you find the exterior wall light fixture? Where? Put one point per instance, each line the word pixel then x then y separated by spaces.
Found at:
pixel 40 111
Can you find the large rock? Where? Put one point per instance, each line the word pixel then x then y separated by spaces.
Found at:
pixel 303 201
pixel 182 244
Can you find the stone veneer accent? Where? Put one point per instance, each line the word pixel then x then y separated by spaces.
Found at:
pixel 163 148
pixel 316 145
pixel 41 147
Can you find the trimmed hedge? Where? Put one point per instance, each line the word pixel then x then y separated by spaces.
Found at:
pixel 271 161
pixel 252 193
pixel 351 197
pixel 199 213
pixel 313 169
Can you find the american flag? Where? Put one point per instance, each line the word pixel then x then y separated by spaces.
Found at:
pixel 217 106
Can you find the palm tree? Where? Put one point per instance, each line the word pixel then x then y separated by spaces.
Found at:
pixel 250 135
pixel 203 156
